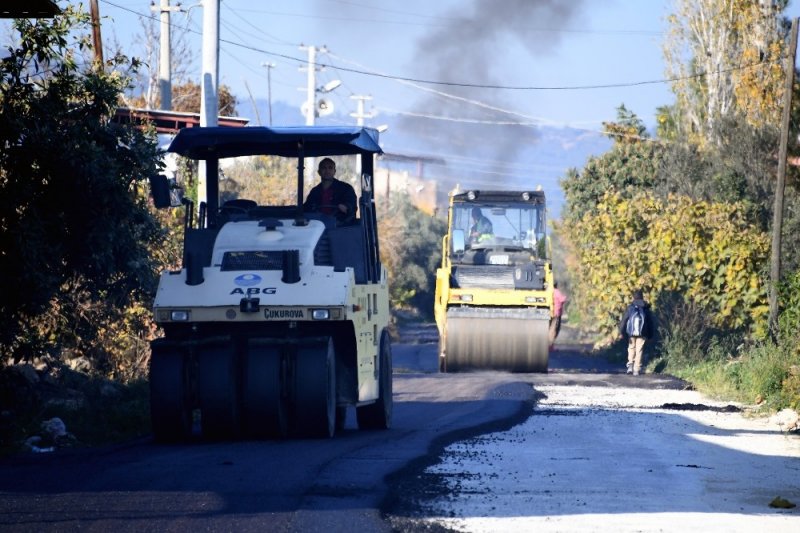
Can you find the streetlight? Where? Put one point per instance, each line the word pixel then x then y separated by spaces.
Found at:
pixel 322 106
pixel 328 87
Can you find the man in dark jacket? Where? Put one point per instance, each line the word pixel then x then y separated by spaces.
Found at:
pixel 637 325
pixel 331 196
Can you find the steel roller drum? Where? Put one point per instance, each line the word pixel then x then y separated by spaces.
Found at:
pixel 513 340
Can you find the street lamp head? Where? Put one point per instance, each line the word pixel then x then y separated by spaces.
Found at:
pixel 328 87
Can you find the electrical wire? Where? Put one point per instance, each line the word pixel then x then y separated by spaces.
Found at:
pixel 490 86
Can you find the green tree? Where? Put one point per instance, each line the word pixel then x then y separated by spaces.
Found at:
pixel 631 165
pixel 710 253
pixel 411 251
pixel 74 222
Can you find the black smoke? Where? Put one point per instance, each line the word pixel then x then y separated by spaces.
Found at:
pixel 473 46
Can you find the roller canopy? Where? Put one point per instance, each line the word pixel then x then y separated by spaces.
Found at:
pixel 222 142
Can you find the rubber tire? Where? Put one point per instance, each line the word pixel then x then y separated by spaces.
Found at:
pixel 265 412
pixel 341 417
pixel 170 401
pixel 315 390
pixel 379 414
pixel 216 389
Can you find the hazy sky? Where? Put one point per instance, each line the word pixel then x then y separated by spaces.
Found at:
pixel 502 67
pixel 515 43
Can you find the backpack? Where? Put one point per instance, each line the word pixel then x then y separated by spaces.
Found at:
pixel 636 322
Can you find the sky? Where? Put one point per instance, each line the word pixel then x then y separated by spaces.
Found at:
pixel 433 71
pixel 526 44
pixel 495 91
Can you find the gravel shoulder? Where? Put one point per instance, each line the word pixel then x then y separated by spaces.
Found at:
pixel 596 458
pixel 603 451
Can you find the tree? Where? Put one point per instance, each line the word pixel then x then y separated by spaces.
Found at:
pixel 709 253
pixel 186 99
pixel 632 164
pixel 186 93
pixel 74 226
pixel 268 180
pixel 724 57
pixel 411 251
pixel 182 62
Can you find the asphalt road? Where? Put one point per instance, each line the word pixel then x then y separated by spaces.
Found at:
pixel 293 485
pixel 354 482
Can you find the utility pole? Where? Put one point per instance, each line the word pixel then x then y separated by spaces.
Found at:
pixel 209 100
pixel 165 55
pixel 269 66
pixel 311 85
pixel 310 106
pixel 97 41
pixel 777 221
pixel 359 115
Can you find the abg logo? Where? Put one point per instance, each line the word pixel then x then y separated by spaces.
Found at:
pixel 254 290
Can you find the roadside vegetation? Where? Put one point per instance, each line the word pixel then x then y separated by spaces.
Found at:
pixel 81 248
pixel 687 214
pixel 684 212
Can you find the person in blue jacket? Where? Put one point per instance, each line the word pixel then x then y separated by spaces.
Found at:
pixel 637 325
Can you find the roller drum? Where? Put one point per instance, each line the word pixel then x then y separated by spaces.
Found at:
pixel 513 340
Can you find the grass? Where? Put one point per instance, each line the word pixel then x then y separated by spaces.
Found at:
pixel 722 364
pixel 764 373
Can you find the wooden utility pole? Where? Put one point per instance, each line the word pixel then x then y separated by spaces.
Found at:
pixel 777 220
pixel 97 41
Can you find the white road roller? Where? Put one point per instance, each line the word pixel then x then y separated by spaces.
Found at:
pixel 277 321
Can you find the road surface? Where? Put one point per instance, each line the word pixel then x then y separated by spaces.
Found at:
pixel 396 479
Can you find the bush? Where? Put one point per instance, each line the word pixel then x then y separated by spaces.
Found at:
pixel 724 366
pixel 75 229
pixel 707 252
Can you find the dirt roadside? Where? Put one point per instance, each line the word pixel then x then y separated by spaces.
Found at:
pixel 603 451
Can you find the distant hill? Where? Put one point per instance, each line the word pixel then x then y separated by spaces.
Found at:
pixel 476 156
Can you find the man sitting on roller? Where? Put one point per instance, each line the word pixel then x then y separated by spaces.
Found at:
pixel 331 196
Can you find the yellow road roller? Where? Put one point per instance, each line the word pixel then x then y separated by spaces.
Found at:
pixel 494 290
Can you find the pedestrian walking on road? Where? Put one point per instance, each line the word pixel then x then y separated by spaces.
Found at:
pixel 637 325
pixel 559 300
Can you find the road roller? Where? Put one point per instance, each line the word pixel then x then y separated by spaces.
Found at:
pixel 277 321
pixel 494 290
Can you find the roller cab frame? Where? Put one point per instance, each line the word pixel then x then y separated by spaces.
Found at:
pixel 277 322
pixel 494 291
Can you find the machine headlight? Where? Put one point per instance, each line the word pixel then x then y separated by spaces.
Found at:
pixel 535 299
pixel 180 315
pixel 526 196
pixel 471 195
pixel 320 314
pixel 466 297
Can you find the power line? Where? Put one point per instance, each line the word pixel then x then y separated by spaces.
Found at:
pixel 480 85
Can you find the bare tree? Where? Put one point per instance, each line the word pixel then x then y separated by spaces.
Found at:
pixel 183 67
pixel 722 55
